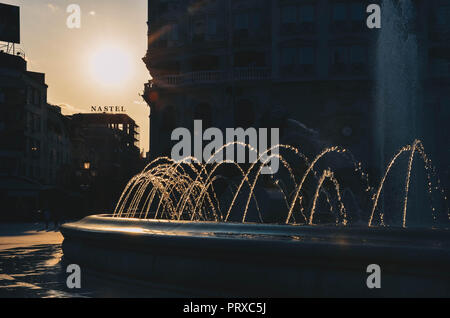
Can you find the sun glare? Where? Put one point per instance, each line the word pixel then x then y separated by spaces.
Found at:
pixel 110 66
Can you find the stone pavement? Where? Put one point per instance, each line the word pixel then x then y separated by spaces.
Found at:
pixel 31 263
pixel 32 266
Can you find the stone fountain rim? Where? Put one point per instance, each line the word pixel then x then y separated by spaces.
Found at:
pixel 252 259
pixel 104 223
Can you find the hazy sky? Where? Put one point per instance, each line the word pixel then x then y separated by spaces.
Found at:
pixel 75 61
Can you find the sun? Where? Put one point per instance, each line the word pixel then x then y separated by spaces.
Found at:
pixel 111 66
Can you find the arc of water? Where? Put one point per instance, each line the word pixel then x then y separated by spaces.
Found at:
pixel 178 182
pixel 328 174
pixel 383 180
pixel 308 171
pixel 264 155
pixel 408 179
pixel 245 179
pixel 222 149
pixel 177 190
pixel 257 177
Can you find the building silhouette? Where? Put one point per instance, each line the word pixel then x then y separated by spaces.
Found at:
pixel 71 164
pixel 23 117
pixel 105 155
pixel 234 62
pixel 107 141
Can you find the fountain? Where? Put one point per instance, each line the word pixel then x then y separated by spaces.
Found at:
pixel 199 229
pixel 170 228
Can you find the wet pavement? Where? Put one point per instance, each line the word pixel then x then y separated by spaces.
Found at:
pixel 34 272
pixel 32 266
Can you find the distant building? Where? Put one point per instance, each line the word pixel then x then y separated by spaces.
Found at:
pixel 229 62
pixel 23 100
pixel 23 115
pixel 111 139
pixel 47 159
pixel 105 155
pixel 58 147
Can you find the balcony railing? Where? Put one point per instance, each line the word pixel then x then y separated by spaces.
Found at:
pixel 252 73
pixel 204 77
pixel 213 77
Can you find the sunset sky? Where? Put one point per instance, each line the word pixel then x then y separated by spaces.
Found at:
pixel 76 61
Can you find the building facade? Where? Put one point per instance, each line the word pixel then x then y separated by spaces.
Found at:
pixel 22 134
pixel 35 147
pixel 105 156
pixel 69 164
pixel 231 62
pixel 58 147
pixel 23 116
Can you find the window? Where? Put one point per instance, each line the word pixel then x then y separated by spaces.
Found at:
pixel 162 39
pixel 357 11
pixel 29 121
pixel 249 59
pixel 288 56
pixel 241 21
pixel 35 149
pixel 306 56
pixel 339 60
pixel 36 97
pixel 288 14
pixel 199 27
pixel 37 122
pixel 357 54
pixel 174 33
pixel 298 18
pixel 443 16
pixel 339 12
pixel 306 14
pixel 340 55
pixel 297 60
pixel 255 20
pixel 357 59
pixel 212 25
pixel 29 94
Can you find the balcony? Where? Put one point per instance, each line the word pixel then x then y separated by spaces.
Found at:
pixel 214 77
pixel 201 77
pixel 252 73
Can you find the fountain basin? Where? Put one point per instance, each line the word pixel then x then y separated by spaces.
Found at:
pixel 203 259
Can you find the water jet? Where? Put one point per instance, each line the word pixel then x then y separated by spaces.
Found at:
pixel 171 230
